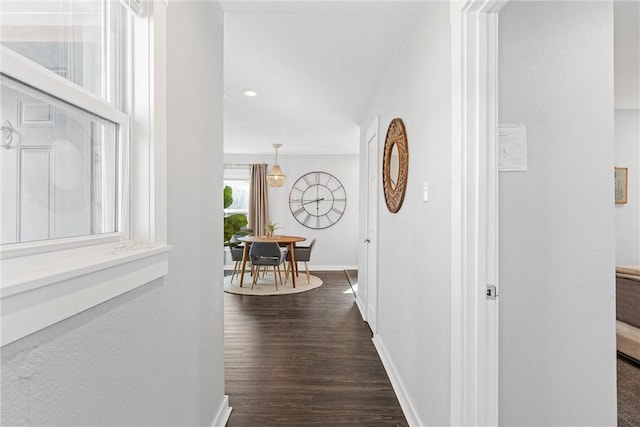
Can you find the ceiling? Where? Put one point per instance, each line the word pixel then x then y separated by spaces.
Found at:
pixel 314 65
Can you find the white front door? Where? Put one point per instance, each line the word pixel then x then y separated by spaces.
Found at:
pixel 372 227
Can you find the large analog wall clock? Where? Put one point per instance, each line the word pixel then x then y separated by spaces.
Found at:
pixel 317 200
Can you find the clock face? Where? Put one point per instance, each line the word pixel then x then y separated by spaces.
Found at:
pixel 317 200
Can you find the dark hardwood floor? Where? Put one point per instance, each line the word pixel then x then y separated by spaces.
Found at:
pixel 305 359
pixel 628 392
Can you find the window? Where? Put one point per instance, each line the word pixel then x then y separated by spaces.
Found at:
pixel 84 41
pixel 60 158
pixel 74 83
pixel 58 170
pixel 238 177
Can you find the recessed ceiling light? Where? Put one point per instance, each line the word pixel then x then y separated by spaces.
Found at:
pixel 249 92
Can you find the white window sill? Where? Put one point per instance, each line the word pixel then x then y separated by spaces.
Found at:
pixel 40 290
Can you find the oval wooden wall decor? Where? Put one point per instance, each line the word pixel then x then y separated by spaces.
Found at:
pixel 395 165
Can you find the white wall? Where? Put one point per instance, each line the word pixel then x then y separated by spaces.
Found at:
pixel 627 130
pixel 414 254
pixel 626 47
pixel 557 307
pixel 627 126
pixel 336 247
pixel 153 356
pixel 195 297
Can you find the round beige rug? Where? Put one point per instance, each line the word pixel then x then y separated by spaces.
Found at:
pixel 266 286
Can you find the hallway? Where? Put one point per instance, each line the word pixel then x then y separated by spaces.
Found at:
pixel 305 359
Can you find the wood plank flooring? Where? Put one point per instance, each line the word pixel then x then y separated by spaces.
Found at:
pixel 305 359
pixel 628 392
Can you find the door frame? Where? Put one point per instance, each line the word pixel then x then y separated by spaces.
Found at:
pixel 474 206
pixel 369 299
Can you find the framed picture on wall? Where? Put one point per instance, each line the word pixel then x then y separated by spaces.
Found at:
pixel 621 185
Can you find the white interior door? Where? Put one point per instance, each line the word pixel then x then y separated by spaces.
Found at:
pixel 372 227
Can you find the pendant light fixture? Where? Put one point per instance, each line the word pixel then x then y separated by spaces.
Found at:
pixel 276 178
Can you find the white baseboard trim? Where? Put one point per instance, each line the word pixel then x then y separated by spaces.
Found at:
pixel 223 413
pixel 315 267
pixel 360 306
pixel 330 267
pixel 403 398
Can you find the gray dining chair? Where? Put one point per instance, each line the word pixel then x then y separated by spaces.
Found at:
pixel 236 257
pixel 302 253
pixel 267 255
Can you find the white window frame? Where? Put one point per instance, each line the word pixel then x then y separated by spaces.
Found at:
pixel 31 74
pixel 46 282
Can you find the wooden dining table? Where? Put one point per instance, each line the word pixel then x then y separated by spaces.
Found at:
pixel 281 240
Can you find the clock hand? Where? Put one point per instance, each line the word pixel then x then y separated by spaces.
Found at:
pixel 311 201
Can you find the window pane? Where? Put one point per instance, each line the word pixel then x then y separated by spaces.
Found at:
pixel 240 196
pixel 57 167
pixel 81 40
pixel 238 177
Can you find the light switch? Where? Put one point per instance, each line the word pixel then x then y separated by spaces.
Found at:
pixel 425 191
